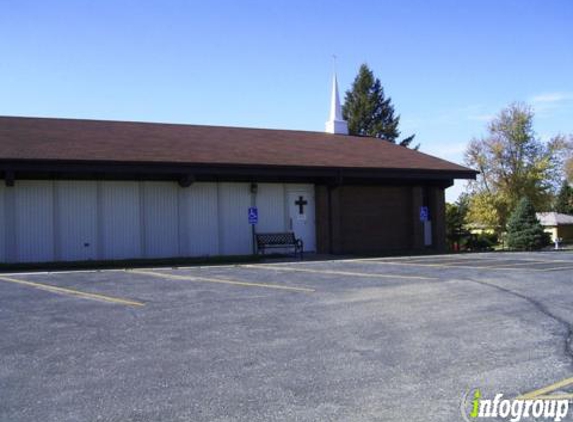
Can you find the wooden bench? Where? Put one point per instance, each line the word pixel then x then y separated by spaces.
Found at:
pixel 278 240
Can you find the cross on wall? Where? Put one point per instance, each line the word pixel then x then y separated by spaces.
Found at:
pixel 301 202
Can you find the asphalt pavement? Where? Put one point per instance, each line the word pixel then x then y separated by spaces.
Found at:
pixel 390 339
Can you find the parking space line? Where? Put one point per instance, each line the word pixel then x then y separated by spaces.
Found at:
pixel 532 262
pixel 456 259
pixel 72 292
pixel 555 397
pixel 451 266
pixel 547 389
pixel 224 281
pixel 414 264
pixel 349 273
pixel 569 267
pixel 515 264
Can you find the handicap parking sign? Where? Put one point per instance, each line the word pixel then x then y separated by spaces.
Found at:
pixel 424 214
pixel 253 215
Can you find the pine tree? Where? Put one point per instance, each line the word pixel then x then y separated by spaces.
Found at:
pixel 564 200
pixel 369 112
pixel 524 232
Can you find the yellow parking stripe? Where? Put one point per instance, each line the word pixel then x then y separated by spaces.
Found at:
pixel 548 389
pixel 414 264
pixel 476 267
pixel 559 268
pixel 72 292
pixel 348 273
pixel 224 281
pixel 555 397
pixel 444 262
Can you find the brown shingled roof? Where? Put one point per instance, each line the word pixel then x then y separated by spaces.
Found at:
pixel 24 138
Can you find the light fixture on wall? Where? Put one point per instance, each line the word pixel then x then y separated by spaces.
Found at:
pixel 186 180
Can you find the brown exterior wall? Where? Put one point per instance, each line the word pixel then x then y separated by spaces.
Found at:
pixel 377 219
pixel 322 219
pixel 438 216
pixel 566 233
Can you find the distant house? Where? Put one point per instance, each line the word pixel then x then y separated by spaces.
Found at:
pixel 558 225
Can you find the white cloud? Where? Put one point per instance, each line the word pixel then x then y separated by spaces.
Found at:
pixel 551 101
pixel 550 98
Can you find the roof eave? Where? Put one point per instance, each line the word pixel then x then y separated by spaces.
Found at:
pixel 69 169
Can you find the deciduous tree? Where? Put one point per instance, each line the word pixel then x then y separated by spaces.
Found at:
pixel 513 163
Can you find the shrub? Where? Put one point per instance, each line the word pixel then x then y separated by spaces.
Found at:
pixel 524 232
pixel 481 242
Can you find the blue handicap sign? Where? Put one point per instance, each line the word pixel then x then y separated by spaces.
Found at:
pixel 253 215
pixel 424 214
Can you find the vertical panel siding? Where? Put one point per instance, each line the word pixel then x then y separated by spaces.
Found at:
pixel 234 202
pixel 160 223
pixel 76 220
pixel 2 224
pixel 271 205
pixel 121 220
pixel 34 221
pixel 10 229
pixel 198 215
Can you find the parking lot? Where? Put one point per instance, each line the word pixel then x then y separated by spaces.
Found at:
pixel 382 339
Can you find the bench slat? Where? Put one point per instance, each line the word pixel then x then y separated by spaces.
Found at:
pixel 278 240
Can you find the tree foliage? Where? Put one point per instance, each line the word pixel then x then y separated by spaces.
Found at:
pixel 485 211
pixel 456 218
pixel 569 169
pixel 368 111
pixel 564 199
pixel 524 232
pixel 513 163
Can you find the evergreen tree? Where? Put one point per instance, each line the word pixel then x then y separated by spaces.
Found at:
pixel 524 232
pixel 564 200
pixel 369 112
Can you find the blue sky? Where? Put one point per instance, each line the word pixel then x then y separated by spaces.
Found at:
pixel 448 65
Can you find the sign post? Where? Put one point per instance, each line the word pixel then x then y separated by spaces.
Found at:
pixel 425 219
pixel 253 220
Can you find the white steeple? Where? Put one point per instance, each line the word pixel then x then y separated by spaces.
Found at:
pixel 336 124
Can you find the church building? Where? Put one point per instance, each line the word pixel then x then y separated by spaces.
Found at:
pixel 77 190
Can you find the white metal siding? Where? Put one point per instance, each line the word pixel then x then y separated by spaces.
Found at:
pixel 34 221
pixel 160 214
pixel 76 220
pixel 198 216
pixel 79 220
pixel 235 231
pixel 2 224
pixel 271 205
pixel 121 220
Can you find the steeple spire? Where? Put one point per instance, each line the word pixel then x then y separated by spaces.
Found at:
pixel 336 124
